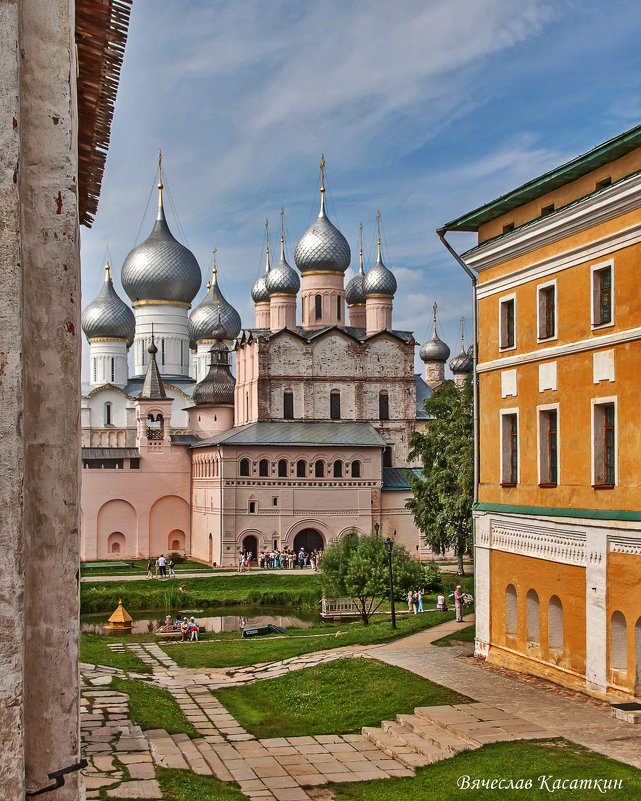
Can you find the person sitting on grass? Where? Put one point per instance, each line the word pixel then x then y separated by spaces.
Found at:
pixel 182 589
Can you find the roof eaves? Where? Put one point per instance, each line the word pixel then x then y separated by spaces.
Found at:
pixel 549 181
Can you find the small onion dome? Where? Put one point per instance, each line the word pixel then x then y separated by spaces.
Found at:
pixel 434 350
pixel 108 317
pixel 217 387
pixel 379 280
pixel 204 317
pixel 322 248
pixel 463 363
pixel 259 291
pixel 355 290
pixel 282 279
pixel 160 268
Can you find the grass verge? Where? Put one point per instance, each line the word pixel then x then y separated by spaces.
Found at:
pixel 260 589
pixel 153 708
pixel 338 697
pixel 94 650
pixel 558 759
pixel 461 635
pixel 232 651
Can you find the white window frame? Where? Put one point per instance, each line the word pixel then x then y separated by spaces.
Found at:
pixel 540 410
pixel 593 270
pixel 539 318
pixel 504 413
pixel 502 301
pixel 604 402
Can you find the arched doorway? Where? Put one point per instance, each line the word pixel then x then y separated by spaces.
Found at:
pixel 250 545
pixel 176 540
pixel 116 542
pixel 309 540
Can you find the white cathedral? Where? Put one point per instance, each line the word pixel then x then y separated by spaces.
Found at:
pixel 303 438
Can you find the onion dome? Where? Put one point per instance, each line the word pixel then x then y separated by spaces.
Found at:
pixel 379 280
pixel 204 317
pixel 434 350
pixel 464 362
pixel 283 279
pixel 108 317
pixel 259 291
pixel 161 269
pixel 355 291
pixel 322 248
pixel 217 387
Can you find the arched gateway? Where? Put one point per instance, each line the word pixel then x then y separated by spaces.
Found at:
pixel 250 545
pixel 309 540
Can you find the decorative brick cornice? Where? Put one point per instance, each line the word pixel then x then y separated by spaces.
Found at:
pixel 553 545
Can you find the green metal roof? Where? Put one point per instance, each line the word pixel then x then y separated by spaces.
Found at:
pixel 597 157
pixel 298 432
pixel 395 478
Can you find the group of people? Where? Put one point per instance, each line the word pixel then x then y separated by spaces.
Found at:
pixel 458 596
pixel 285 559
pixel 415 600
pixel 188 627
pixel 162 568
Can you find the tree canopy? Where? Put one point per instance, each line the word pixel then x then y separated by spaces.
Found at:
pixel 443 492
pixel 356 567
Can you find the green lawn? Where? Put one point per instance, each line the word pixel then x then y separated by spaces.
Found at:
pixel 93 649
pixel 153 708
pixel 232 651
pixel 261 589
pixel 338 697
pixel 465 634
pixel 558 759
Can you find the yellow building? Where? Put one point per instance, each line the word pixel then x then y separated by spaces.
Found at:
pixel 558 518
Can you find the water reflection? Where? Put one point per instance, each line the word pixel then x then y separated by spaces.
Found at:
pixel 215 621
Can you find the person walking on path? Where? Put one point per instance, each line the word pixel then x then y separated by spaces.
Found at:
pixel 172 572
pixel 420 599
pixel 415 602
pixel 162 566
pixel 458 603
pixel 150 568
pixel 409 600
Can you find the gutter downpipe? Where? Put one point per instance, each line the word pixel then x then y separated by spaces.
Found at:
pixel 220 503
pixel 440 232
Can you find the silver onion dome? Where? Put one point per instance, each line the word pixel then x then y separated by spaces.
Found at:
pixel 108 317
pixel 379 280
pixel 282 279
pixel 322 247
pixel 462 363
pixel 355 289
pixel 259 291
pixel 217 387
pixel 204 317
pixel 160 268
pixel 434 350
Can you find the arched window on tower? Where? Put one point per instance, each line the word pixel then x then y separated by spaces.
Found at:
pixel 338 469
pixel 318 306
pixel 335 405
pixel 301 468
pixel 162 351
pixel 113 369
pixel 319 469
pixel 282 468
pixel 339 304
pixel 95 369
pixel 356 469
pixel 383 405
pixel 288 404
pixel 263 467
pixel 108 414
pixel 244 467
pixel 154 427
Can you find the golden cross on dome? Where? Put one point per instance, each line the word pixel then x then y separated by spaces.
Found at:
pixel 160 184
pixel 322 169
pixel 214 272
pixel 378 223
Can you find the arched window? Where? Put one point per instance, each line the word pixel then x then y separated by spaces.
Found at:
pixel 339 304
pixel 618 642
pixel 318 306
pixel 107 414
pixel 555 624
pixel 383 405
pixel 288 404
pixel 335 405
pixel 356 469
pixel 244 467
pixel 511 611
pixel 95 369
pixel 263 467
pixel 387 456
pixel 532 617
pixel 154 427
pixel 338 469
pixel 637 656
pixel 319 469
pixel 282 468
pixel 252 507
pixel 301 468
pixel 162 351
pixel 113 369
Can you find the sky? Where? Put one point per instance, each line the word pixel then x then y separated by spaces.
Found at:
pixel 424 109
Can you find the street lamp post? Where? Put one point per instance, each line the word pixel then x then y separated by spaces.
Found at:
pixel 388 547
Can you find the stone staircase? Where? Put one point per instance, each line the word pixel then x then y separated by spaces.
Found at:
pixel 433 733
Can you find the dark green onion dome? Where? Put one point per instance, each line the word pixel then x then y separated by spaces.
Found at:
pixel 160 268
pixel 108 317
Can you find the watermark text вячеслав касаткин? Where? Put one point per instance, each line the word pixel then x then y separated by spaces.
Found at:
pixel 545 782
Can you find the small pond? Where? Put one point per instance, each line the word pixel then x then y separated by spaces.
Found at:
pixel 216 620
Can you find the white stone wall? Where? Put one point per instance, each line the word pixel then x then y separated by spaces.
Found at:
pixel 108 363
pixel 170 335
